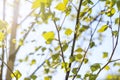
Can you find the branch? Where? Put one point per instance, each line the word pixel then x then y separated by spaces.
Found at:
pixel 92 34
pixel 114 60
pixel 74 39
pixel 59 40
pixel 39 66
pixel 113 49
pixel 8 68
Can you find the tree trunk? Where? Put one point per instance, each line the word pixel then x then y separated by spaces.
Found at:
pixel 12 54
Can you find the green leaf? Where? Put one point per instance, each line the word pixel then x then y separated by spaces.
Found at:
pixel 116 64
pixel 33 77
pixel 55 56
pixel 38 3
pixel 92 44
pixel 26 78
pixel 47 78
pixel 2 36
pixel 74 70
pixel 78 56
pixel 65 46
pixel 48 36
pixel 107 68
pixel 92 77
pixel 65 2
pixel 43 49
pixel 118 5
pixel 68 31
pixel 95 67
pixel 33 62
pixel 17 74
pixel 46 71
pixel 115 33
pixel 110 12
pixel 85 60
pixel 83 28
pixel 103 28
pixel 117 21
pixel 79 50
pixel 72 59
pixel 63 65
pixel 61 6
pixel 105 54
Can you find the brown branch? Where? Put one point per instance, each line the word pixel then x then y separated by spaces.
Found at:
pixel 8 68
pixel 114 60
pixel 74 39
pixel 59 40
pixel 92 34
pixel 113 51
pixel 12 56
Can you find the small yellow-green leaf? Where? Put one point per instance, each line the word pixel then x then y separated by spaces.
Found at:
pixel 79 50
pixel 48 36
pixel 2 36
pixel 21 42
pixel 107 68
pixel 33 62
pixel 47 78
pixel 65 2
pixel 118 5
pixel 17 74
pixel 103 28
pixel 37 3
pixel 65 46
pixel 105 54
pixel 110 12
pixel 68 31
pixel 61 7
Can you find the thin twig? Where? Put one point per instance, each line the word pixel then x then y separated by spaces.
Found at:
pixel 59 40
pixel 114 60
pixel 113 51
pixel 39 66
pixel 9 69
pixel 92 34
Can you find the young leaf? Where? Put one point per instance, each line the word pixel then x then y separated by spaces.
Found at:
pixel 65 46
pixel 47 78
pixel 33 62
pixel 74 70
pixel 33 77
pixel 92 44
pixel 95 67
pixel 107 68
pixel 85 60
pixel 65 2
pixel 61 7
pixel 37 3
pixel 103 28
pixel 2 36
pixel 118 5
pixel 115 33
pixel 48 36
pixel 79 50
pixel 68 31
pixel 105 54
pixel 17 74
